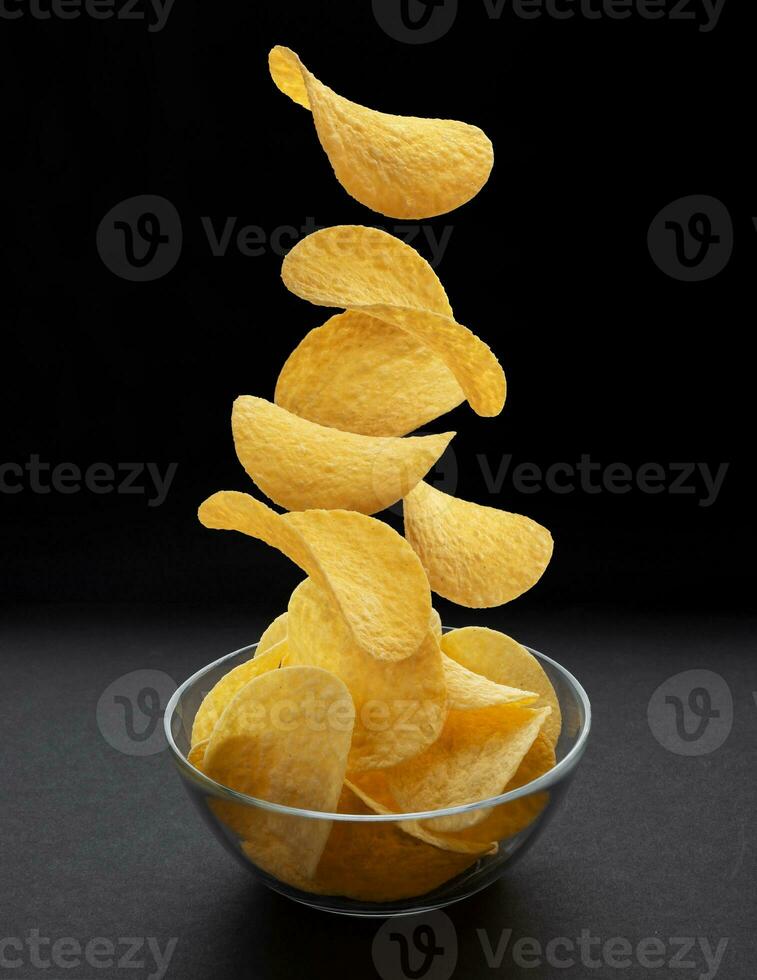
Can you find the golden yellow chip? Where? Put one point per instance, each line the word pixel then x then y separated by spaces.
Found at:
pixel 373 789
pixel 365 375
pixel 274 632
pixel 373 575
pixel 476 755
pixel 401 166
pixel 508 819
pixel 503 660
pixel 436 623
pixel 476 556
pixel 196 754
pixel 284 738
pixel 215 700
pixel 467 690
pixel 365 269
pixel 301 465
pixel 379 862
pixel 400 706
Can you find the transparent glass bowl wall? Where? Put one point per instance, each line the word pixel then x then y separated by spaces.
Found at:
pixel 548 792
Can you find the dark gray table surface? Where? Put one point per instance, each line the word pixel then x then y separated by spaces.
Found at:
pixel 653 852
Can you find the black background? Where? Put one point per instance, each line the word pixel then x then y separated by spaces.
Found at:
pixel 597 125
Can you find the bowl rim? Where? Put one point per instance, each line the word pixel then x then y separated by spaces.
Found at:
pixel 563 768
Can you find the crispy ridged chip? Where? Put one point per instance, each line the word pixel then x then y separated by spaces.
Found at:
pixel 218 697
pixel 400 706
pixel 503 660
pixel 476 755
pixel 365 269
pixel 476 556
pixel 196 754
pixel 284 738
pixel 301 465
pixel 371 572
pixel 467 690
pixel 274 632
pixel 379 862
pixel 436 623
pixel 509 819
pixel 365 375
pixel 401 166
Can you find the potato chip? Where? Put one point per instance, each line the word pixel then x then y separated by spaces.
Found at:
pixel 274 632
pixel 476 755
pixel 365 375
pixel 371 572
pixel 467 691
pixel 373 789
pixel 401 166
pixel 436 623
pixel 218 697
pixel 476 556
pixel 367 270
pixel 400 706
pixel 508 819
pixel 504 661
pixel 284 738
pixel 196 754
pixel 379 862
pixel 301 465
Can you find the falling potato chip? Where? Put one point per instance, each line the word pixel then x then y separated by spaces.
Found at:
pixel 216 699
pixel 476 755
pixel 373 575
pixel 365 375
pixel 508 819
pixel 501 659
pixel 370 271
pixel 274 632
pixel 284 738
pixel 476 556
pixel 400 706
pixel 301 465
pixel 467 690
pixel 400 166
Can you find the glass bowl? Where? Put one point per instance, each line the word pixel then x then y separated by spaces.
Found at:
pixel 376 868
